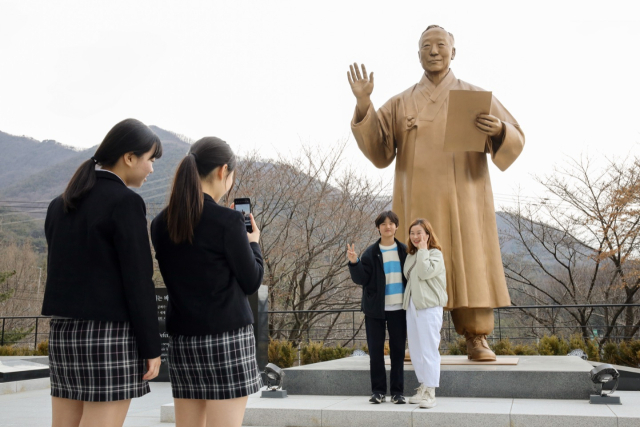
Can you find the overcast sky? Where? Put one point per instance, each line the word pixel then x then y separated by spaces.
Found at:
pixel 269 74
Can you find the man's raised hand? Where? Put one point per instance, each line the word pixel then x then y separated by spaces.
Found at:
pixel 351 254
pixel 361 84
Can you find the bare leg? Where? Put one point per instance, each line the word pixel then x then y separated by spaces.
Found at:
pixel 226 413
pixel 66 412
pixel 190 412
pixel 104 414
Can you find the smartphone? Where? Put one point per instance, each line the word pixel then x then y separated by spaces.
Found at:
pixel 244 205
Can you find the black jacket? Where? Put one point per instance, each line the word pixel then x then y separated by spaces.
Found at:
pixel 208 281
pixel 368 272
pixel 99 264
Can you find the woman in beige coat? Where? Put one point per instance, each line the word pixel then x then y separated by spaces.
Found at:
pixel 424 299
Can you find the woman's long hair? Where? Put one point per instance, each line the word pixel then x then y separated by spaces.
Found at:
pixel 128 136
pixel 434 243
pixel 187 199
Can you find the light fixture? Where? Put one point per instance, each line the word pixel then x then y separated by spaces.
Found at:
pixel 273 377
pixel 602 374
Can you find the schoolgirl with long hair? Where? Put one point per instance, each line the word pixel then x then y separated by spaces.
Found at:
pixel 424 299
pixel 99 290
pixel 210 265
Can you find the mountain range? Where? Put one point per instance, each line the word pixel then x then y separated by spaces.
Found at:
pixel 33 172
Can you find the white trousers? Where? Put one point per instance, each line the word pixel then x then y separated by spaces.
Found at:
pixel 423 331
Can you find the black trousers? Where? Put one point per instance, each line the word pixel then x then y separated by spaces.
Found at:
pixel 396 323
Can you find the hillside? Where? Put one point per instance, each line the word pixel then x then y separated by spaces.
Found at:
pixel 31 170
pixel 22 157
pixel 37 171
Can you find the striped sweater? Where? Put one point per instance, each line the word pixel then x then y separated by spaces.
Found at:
pixel 394 290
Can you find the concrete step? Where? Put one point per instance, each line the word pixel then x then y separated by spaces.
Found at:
pixel 25 385
pixel 356 411
pixel 533 377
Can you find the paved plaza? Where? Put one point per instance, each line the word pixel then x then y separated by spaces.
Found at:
pixel 33 409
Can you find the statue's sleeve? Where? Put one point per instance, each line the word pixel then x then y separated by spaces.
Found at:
pixel 374 135
pixel 504 153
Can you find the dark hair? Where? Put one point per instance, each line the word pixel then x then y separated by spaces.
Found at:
pixel 128 136
pixel 187 199
pixel 387 214
pixel 434 243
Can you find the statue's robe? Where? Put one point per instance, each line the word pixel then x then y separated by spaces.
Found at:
pixel 451 190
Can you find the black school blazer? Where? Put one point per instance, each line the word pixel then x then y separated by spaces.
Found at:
pixel 99 264
pixel 368 272
pixel 208 281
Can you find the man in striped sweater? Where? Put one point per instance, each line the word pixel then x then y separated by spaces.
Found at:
pixel 379 272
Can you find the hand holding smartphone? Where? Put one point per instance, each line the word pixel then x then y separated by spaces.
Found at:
pixel 243 205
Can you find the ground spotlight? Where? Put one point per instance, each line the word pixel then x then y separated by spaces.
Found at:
pixel 273 377
pixel 602 374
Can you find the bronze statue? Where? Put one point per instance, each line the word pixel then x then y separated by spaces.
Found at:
pixel 451 189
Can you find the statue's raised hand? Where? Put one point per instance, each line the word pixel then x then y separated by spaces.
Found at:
pixel 361 84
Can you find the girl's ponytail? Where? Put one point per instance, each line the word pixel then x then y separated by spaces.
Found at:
pixel 187 198
pixel 186 201
pixel 82 181
pixel 128 136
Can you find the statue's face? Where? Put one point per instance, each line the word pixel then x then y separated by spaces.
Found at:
pixel 436 50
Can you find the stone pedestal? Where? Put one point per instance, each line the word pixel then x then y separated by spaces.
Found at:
pixel 534 377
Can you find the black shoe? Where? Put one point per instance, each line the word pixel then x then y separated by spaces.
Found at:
pixel 398 399
pixel 377 398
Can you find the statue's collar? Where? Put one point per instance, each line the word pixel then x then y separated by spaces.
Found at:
pixel 434 91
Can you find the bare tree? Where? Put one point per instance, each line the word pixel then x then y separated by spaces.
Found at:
pixel 309 207
pixel 580 246
pixel 22 287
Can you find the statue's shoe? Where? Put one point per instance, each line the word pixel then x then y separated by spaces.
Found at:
pixel 478 350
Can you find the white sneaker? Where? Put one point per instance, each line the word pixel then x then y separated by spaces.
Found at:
pixel 429 400
pixel 419 396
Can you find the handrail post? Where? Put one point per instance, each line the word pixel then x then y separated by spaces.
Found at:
pixel 2 339
pixel 499 325
pixel 35 336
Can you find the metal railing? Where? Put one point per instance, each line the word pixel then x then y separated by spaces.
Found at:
pixel 30 327
pixel 346 326
pixel 509 323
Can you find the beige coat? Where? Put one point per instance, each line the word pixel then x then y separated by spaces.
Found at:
pixel 426 280
pixel 451 190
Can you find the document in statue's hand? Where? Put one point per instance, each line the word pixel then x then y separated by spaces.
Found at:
pixel 461 133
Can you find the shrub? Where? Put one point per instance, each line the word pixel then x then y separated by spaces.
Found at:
pixel 553 346
pixel 458 347
pixel 503 348
pixel 310 352
pixel 315 351
pixel 625 353
pixel 593 350
pixel 280 352
pixel 590 347
pixel 524 350
pixel 506 348
pixel 12 350
pixel 339 352
pixel 43 348
pixel 365 348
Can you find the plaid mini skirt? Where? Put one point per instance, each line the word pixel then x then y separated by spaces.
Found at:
pixel 95 361
pixel 214 367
